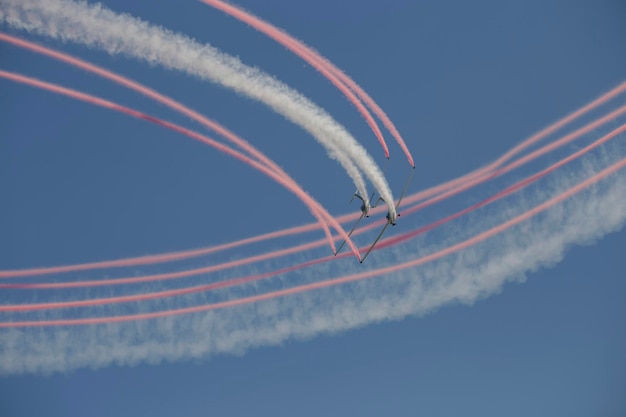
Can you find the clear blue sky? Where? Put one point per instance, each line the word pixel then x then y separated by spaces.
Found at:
pixel 463 81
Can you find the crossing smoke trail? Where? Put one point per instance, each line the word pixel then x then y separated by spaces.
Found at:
pixel 96 26
pixel 421 199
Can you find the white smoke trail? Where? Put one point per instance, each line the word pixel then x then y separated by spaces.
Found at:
pixel 97 26
pixel 465 277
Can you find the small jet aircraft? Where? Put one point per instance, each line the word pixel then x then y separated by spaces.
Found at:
pixel 366 205
pixel 365 209
pixel 391 217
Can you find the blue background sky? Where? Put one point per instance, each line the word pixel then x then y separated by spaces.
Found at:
pixel 463 83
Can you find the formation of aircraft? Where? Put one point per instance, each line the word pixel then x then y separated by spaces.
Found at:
pixel 366 205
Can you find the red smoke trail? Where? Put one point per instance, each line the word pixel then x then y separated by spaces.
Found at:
pixel 559 124
pixel 239 281
pixel 332 73
pixel 160 294
pixel 332 282
pixel 476 179
pixel 177 107
pixel 174 275
pixel 542 134
pixel 153 259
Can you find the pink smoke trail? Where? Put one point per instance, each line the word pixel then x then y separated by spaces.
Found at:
pixel 332 282
pixel 153 259
pixel 326 68
pixel 542 134
pixel 216 127
pixel 485 176
pixel 239 281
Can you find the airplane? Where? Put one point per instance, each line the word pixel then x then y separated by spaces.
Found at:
pixel 365 209
pixel 366 205
pixel 391 217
